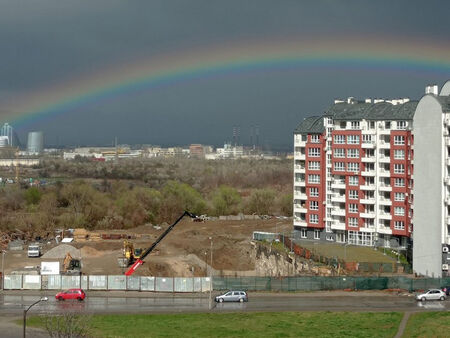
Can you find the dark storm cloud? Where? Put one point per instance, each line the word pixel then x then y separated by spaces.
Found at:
pixel 50 41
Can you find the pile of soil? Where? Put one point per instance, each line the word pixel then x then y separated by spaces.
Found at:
pixel 60 251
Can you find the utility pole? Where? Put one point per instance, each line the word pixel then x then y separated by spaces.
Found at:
pixel 210 275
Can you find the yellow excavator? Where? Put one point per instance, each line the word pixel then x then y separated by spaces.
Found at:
pixel 130 254
pixel 71 266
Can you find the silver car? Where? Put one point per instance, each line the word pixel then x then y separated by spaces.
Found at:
pixel 232 296
pixel 432 294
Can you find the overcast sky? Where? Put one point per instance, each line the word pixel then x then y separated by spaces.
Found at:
pixel 49 42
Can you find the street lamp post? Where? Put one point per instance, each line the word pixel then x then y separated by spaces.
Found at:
pixel 210 274
pixel 3 269
pixel 43 299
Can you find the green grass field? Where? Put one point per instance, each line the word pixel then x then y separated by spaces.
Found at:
pixel 352 252
pixel 279 324
pixel 428 324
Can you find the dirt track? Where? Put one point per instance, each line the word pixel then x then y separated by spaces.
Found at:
pixel 181 253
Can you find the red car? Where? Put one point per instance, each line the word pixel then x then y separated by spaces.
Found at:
pixel 71 294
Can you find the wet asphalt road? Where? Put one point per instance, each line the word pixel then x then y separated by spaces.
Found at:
pixel 13 304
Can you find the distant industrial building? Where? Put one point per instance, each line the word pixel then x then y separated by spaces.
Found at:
pixel 8 131
pixel 35 142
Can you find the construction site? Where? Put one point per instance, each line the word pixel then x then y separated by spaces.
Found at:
pixel 194 248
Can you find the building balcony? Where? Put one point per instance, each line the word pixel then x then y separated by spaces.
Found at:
pixel 299 208
pixel 336 225
pixel 447 121
pixel 370 187
pixel 338 212
pixel 384 230
pixel 367 201
pixel 384 187
pixel 368 159
pixel 384 159
pixel 338 184
pixel 299 156
pixel 385 201
pixel 447 161
pixel 385 173
pixel 447 141
pixel 368 173
pixel 299 168
pixel 299 143
pixel 300 223
pixel 384 215
pixel 447 200
pixel 384 131
pixel 338 198
pixel 447 180
pixel 367 214
pixel 448 220
pixel 368 145
pixel 384 145
pixel 300 195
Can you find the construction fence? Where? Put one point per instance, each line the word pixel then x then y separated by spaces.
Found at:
pixel 203 284
pixel 116 282
pixel 327 283
pixel 361 267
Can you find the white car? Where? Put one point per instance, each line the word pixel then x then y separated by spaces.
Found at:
pixel 432 294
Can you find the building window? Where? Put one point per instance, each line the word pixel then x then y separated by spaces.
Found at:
pixel 353 167
pixel 399 154
pixel 354 125
pixel 314 152
pixel 353 194
pixel 401 124
pixel 353 153
pixel 399 225
pixel 399 211
pixel 339 166
pixel 372 124
pixel 339 152
pixel 316 234
pixel 399 140
pixel 303 233
pixel 313 192
pixel 353 180
pixel 353 139
pixel 367 138
pixel 368 223
pixel 313 205
pixel 399 168
pixel 353 208
pixel 387 125
pixel 339 139
pixel 399 182
pixel 352 222
pixel 315 138
pixel 313 219
pixel 313 165
pixel 314 179
pixel 399 196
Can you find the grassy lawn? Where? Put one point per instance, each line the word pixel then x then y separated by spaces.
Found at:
pixel 428 324
pixel 274 324
pixel 354 253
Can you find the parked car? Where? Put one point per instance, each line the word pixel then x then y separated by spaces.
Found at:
pixel 34 250
pixel 78 294
pixel 232 296
pixel 446 289
pixel 432 294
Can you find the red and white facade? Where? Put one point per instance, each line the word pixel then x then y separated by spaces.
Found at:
pixel 353 176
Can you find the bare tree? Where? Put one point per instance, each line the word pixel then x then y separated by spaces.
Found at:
pixel 68 325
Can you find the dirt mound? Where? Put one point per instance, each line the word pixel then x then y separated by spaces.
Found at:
pixel 88 251
pixel 60 251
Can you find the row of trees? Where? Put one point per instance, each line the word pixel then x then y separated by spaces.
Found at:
pixel 117 204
